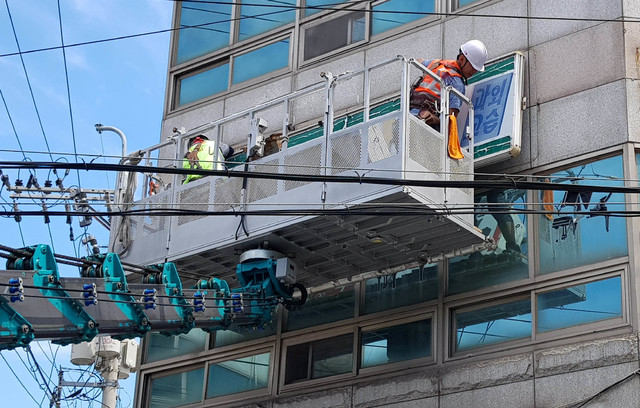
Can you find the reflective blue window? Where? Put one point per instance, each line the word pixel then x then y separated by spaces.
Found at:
pixel 319 359
pixel 161 347
pixel 574 234
pixel 397 343
pixel 510 260
pixel 385 16
pixel 243 374
pixel 266 59
pixel 401 289
pixel 462 3
pixel 580 304
pixel 320 3
pixel 261 16
pixel 334 34
pixel 324 307
pixel 177 389
pixel 203 84
pixel 493 324
pixel 213 23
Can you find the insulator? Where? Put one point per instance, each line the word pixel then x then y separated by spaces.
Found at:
pixel 16 217
pixel 198 301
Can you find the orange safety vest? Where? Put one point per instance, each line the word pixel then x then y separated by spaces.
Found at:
pixel 440 68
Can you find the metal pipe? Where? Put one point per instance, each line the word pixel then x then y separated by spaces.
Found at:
pixel 100 128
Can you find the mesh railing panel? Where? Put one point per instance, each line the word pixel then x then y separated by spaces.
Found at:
pixel 384 139
pixel 259 189
pixel 227 193
pixel 307 161
pixel 425 148
pixel 154 223
pixel 346 151
pixel 194 198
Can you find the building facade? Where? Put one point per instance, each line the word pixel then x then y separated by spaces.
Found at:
pixel 549 318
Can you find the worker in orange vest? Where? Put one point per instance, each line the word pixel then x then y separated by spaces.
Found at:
pixel 426 94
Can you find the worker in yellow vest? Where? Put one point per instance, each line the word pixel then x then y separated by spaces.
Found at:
pixel 202 154
pixel 426 94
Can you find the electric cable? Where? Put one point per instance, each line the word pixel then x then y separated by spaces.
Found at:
pixel 66 74
pixel 17 377
pixel 509 183
pixel 24 69
pixel 438 14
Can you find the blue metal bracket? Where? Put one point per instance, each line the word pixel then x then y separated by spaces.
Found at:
pixel 14 326
pixel 47 280
pixel 173 289
pixel 115 283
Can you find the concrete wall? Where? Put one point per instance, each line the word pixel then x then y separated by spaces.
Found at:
pixel 555 377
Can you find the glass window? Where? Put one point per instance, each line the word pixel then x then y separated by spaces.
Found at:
pixel 574 234
pixel 396 343
pixel 401 289
pixel 213 23
pixel 266 59
pixel 385 16
pixel 319 359
pixel 261 16
pixel 227 337
pixel 243 374
pixel 203 84
pixel 493 324
pixel 580 304
pixel 509 261
pixel 161 347
pixel 177 389
pixel 462 3
pixel 334 34
pixel 324 307
pixel 328 4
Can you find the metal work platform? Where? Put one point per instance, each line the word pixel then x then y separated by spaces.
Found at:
pixel 391 144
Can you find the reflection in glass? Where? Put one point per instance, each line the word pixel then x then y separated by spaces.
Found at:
pixel 580 304
pixel 329 4
pixel 227 337
pixel 243 374
pixel 324 307
pixel 493 324
pixel 260 16
pixel 401 289
pixel 510 260
pixel 396 343
pixel 177 389
pixel 574 234
pixel 203 84
pixel 161 347
pixel 334 34
pixel 266 59
pixel 462 3
pixel 319 359
pixel 213 23
pixel 385 16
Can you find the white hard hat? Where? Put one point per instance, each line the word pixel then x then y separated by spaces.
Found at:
pixel 476 53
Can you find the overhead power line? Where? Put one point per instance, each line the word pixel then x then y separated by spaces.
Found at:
pixel 288 8
pixel 507 182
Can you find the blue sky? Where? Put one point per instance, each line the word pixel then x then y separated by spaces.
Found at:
pixel 118 83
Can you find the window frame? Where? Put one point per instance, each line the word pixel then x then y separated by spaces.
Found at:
pixel 534 221
pixel 398 365
pixel 311 22
pixel 310 338
pixel 590 327
pixel 244 395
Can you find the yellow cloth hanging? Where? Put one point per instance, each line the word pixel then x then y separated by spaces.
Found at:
pixel 547 200
pixel 455 152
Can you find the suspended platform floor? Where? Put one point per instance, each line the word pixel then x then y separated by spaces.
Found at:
pixel 394 145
